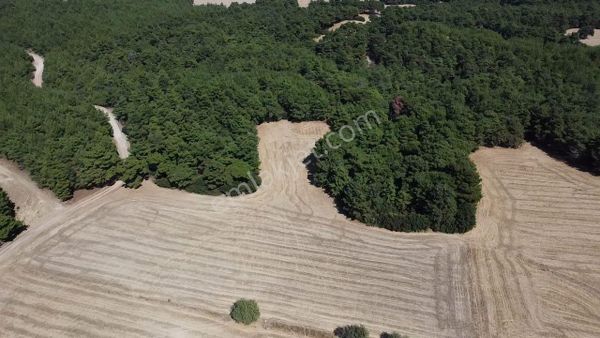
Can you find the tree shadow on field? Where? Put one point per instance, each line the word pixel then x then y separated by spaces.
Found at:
pixel 310 162
pixel 568 156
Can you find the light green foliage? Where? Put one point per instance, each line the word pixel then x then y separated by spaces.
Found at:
pixel 245 311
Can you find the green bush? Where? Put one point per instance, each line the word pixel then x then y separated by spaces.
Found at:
pixel 392 335
pixel 351 331
pixel 245 311
pixel 9 226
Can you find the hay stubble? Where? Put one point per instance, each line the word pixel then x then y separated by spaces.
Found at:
pixel 156 262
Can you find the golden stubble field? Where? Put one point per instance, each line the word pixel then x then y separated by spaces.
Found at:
pixel 158 262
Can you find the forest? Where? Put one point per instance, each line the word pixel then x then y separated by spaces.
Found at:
pixel 190 84
pixel 9 226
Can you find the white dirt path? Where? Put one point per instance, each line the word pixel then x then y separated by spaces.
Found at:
pixel 119 138
pixel 591 41
pixel 38 63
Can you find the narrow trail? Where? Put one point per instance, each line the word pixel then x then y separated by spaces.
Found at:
pixel 119 138
pixel 400 6
pixel 38 63
pixel 337 25
pixel 225 3
pixel 366 17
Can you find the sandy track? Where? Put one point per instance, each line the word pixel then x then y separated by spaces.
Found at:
pixel 400 6
pixel 591 41
pixel 119 138
pixel 225 3
pixel 156 262
pixel 535 255
pixel 337 25
pixel 38 63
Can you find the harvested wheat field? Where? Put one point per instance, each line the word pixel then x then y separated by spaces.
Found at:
pixel 156 262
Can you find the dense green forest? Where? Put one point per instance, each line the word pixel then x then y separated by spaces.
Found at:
pixel 190 83
pixel 9 226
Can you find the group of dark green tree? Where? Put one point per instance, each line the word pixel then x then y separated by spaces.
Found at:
pixel 190 84
pixel 9 226
pixel 359 331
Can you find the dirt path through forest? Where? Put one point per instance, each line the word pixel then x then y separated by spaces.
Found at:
pixel 38 63
pixel 158 262
pixel 119 138
pixel 591 41
pixel 400 6
pixel 337 25
pixel 225 3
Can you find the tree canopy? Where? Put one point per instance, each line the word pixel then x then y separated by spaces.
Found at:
pixel 9 226
pixel 190 84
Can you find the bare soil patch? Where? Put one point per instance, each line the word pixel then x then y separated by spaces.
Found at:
pixel 119 138
pixel 591 41
pixel 157 262
pixel 225 3
pixel 38 63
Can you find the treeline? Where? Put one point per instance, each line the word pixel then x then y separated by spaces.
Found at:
pixel 190 83
pixel 9 226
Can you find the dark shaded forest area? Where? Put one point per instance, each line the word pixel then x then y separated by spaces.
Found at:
pixel 9 226
pixel 189 85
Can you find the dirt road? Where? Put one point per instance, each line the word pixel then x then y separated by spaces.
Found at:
pixel 119 138
pixel 225 3
pixel 38 63
pixel 400 6
pixel 156 262
pixel 337 25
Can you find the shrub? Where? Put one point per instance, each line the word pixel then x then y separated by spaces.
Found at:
pixel 245 311
pixel 351 331
pixel 392 335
